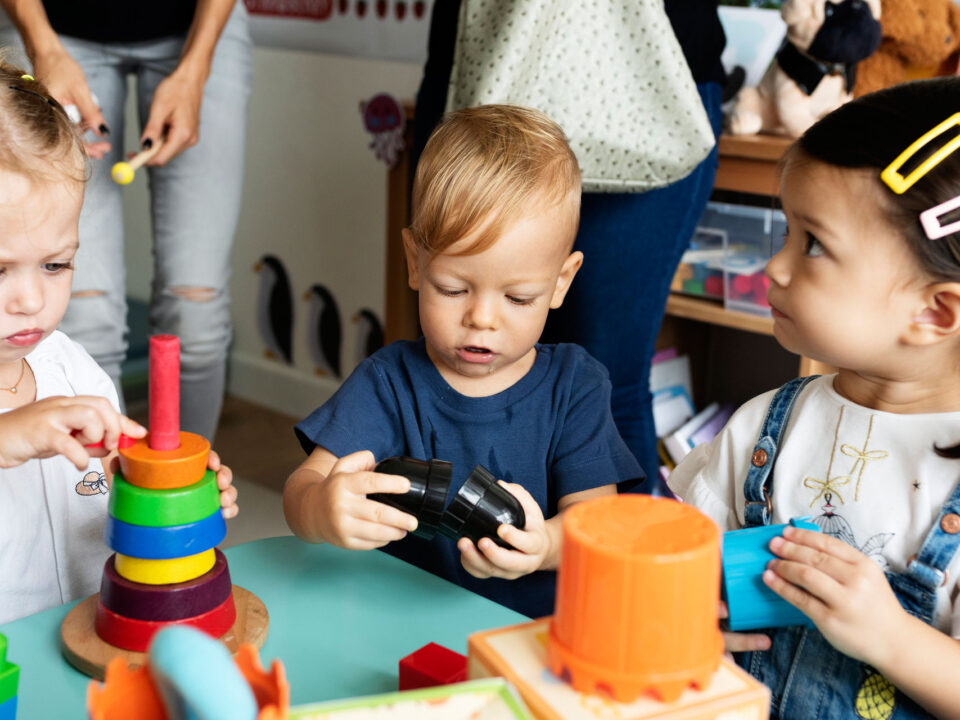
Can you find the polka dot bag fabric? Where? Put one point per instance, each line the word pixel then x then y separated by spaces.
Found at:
pixel 611 73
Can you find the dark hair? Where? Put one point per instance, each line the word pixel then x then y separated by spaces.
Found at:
pixel 871 132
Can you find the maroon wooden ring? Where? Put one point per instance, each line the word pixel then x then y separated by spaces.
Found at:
pixel 174 601
pixel 130 634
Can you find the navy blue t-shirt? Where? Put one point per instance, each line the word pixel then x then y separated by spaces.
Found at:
pixel 552 432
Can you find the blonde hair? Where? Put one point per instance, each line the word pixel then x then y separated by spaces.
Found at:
pixel 482 168
pixel 37 139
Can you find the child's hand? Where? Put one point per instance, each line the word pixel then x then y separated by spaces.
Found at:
pixel 347 518
pixel 533 544
pixel 228 493
pixel 844 592
pixel 61 426
pixel 738 641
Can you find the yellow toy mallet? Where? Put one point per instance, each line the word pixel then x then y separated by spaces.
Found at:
pixel 123 172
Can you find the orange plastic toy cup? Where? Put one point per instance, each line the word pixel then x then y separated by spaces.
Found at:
pixel 637 594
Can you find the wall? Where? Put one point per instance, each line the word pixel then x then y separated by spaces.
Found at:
pixel 315 196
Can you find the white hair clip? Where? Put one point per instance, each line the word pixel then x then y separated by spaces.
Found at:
pixel 932 220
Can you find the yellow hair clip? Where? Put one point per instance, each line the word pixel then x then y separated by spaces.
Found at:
pixel 900 183
pixel 27 77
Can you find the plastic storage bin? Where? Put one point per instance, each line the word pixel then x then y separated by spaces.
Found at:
pixel 753 235
pixel 700 272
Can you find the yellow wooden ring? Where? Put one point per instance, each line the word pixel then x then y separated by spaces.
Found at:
pixel 165 469
pixel 164 572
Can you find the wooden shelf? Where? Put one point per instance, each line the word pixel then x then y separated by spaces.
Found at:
pixel 714 313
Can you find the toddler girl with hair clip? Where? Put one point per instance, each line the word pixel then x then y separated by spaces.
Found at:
pixel 54 398
pixel 868 281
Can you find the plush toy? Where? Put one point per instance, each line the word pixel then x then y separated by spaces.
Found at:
pixel 919 36
pixel 814 70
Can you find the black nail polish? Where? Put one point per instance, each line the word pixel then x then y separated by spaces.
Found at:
pixel 104 130
pixel 147 144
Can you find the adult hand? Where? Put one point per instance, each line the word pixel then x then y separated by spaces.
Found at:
pixel 174 115
pixel 532 544
pixel 67 83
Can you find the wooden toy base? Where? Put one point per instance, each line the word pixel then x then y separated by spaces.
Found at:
pixel 89 654
pixel 519 654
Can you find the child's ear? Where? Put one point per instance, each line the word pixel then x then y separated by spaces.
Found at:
pixel 567 273
pixel 410 250
pixel 939 319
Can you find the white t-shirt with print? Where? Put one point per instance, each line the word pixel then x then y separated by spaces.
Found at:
pixel 870 478
pixel 51 514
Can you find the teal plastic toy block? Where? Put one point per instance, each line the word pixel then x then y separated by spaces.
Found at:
pixel 751 603
pixel 9 676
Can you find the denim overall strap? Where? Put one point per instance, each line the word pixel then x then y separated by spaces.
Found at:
pixel 758 487
pixel 929 566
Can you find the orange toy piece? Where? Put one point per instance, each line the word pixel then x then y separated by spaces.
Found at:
pixel 637 594
pixel 127 693
pixel 165 469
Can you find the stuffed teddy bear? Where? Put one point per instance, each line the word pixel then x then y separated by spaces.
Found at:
pixel 814 70
pixel 918 37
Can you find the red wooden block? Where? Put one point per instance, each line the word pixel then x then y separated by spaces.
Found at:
pixel 430 666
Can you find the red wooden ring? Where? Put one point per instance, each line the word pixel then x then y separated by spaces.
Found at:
pixel 130 634
pixel 176 601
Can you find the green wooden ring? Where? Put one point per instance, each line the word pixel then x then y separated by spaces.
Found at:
pixel 162 508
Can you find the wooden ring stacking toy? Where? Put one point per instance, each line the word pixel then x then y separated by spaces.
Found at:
pixel 165 602
pixel 164 469
pixel 164 521
pixel 161 543
pixel 130 634
pixel 163 508
pixel 90 654
pixel 164 572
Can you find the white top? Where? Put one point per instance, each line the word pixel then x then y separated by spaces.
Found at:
pixel 870 478
pixel 51 514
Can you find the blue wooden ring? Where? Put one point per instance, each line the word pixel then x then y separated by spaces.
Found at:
pixel 163 543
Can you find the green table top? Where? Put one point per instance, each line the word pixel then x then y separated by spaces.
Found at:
pixel 340 621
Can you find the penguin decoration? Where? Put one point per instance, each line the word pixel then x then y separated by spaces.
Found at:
pixel 275 309
pixel 369 334
pixel 324 333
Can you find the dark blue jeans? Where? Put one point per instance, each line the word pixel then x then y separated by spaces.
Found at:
pixel 632 244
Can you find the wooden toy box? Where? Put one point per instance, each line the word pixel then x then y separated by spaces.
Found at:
pixel 519 654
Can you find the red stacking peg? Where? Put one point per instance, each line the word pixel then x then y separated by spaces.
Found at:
pixel 164 392
pixel 430 666
pixel 123 442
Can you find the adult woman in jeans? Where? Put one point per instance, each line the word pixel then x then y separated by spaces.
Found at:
pixel 191 59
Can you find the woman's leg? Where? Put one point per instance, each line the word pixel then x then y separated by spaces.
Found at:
pixel 632 244
pixel 196 202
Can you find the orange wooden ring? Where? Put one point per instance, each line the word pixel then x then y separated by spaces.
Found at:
pixel 165 469
pixel 131 634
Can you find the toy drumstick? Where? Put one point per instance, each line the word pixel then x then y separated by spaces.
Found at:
pixel 122 172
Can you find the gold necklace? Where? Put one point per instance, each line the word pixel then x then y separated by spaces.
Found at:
pixel 13 389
